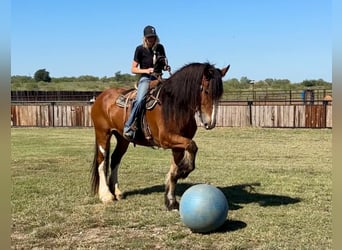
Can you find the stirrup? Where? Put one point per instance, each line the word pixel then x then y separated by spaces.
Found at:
pixel 129 135
pixel 134 126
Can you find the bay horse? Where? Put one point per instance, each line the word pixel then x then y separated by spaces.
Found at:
pixel 194 88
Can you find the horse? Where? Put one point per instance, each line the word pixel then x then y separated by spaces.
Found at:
pixel 194 88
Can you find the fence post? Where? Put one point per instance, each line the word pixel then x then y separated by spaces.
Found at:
pixel 325 104
pixel 53 113
pixel 250 103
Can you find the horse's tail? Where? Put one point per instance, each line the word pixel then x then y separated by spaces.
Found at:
pixel 95 178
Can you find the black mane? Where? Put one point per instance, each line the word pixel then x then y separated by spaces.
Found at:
pixel 181 93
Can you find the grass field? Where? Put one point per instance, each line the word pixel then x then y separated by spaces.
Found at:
pixel 278 183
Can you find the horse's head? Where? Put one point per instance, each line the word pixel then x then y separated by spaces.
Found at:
pixel 211 91
pixel 196 87
pixel 160 64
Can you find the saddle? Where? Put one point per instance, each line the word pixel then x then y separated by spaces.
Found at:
pixel 151 99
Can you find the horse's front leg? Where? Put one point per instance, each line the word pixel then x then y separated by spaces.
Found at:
pixel 182 164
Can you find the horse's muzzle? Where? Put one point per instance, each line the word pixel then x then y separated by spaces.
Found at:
pixel 209 126
pixel 208 122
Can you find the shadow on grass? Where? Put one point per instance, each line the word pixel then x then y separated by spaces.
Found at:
pixel 237 195
pixel 228 226
pixel 246 193
pixel 231 225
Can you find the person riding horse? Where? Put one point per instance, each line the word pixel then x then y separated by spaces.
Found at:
pixel 171 124
pixel 145 59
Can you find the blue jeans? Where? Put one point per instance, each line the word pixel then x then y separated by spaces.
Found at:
pixel 143 86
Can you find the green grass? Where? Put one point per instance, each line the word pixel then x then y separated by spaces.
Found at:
pixel 278 183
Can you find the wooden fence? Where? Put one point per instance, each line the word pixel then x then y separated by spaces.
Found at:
pixel 69 114
pixel 262 96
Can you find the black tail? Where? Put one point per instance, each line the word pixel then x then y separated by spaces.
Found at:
pixel 95 179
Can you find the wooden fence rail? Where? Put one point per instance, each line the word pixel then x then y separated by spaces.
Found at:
pixel 229 115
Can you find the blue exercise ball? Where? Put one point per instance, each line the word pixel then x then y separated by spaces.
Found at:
pixel 203 208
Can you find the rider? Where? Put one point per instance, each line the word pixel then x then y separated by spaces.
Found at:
pixel 145 57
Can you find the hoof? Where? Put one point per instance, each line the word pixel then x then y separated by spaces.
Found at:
pixel 120 196
pixel 107 199
pixel 172 206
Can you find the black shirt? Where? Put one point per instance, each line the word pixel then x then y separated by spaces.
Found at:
pixel 144 56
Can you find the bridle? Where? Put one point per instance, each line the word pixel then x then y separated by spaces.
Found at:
pixel 205 89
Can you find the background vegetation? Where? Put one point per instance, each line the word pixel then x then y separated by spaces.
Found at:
pixel 278 184
pixel 93 83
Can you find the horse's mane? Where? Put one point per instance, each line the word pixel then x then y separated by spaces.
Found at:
pixel 180 94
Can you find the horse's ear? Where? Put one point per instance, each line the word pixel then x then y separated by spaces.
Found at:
pixel 209 72
pixel 224 70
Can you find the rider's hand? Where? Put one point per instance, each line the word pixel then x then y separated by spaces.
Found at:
pixel 167 68
pixel 149 71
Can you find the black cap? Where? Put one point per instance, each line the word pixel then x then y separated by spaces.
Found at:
pixel 149 31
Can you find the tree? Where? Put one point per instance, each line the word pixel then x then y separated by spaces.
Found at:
pixel 21 79
pixel 312 83
pixel 244 80
pixel 88 78
pixel 42 75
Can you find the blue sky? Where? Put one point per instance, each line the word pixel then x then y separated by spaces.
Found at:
pixel 289 39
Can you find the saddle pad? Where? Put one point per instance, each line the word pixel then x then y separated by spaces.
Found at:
pixel 121 101
pixel 151 100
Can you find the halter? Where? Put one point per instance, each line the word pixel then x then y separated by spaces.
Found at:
pixel 206 91
pixel 205 88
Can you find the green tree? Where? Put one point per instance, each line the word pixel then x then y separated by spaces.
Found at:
pixel 21 79
pixel 244 80
pixel 269 81
pixel 312 83
pixel 88 78
pixel 42 75
pixel 232 83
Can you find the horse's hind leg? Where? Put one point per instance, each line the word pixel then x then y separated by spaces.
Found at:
pixel 182 164
pixel 120 150
pixel 100 167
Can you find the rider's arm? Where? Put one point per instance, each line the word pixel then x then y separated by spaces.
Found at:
pixel 136 70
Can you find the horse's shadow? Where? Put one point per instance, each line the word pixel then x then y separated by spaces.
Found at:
pixel 237 195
